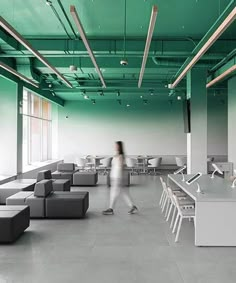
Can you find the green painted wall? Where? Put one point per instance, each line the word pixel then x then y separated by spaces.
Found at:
pixel 8 127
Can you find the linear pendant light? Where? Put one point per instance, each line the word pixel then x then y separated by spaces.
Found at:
pixel 5 25
pixel 14 72
pixel 225 24
pixel 148 42
pixel 78 24
pixel 222 76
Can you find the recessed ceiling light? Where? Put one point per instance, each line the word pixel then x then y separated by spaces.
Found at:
pixel 86 97
pixel 128 105
pixel 141 96
pixel 179 97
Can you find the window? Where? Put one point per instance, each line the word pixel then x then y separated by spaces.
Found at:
pixel 37 124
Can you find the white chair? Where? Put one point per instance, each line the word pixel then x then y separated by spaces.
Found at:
pixel 181 214
pixel 181 161
pixel 90 162
pixel 105 164
pixel 154 163
pixel 131 163
pixel 185 203
pixel 165 198
pixel 81 162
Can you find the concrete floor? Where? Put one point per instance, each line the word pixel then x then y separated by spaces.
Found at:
pixel 120 248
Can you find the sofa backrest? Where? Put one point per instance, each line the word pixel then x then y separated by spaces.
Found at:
pixel 44 174
pixel 66 167
pixel 43 188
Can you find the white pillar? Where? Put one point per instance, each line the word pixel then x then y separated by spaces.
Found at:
pixel 197 139
pixel 232 120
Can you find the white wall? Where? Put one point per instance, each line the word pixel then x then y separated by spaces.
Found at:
pixel 8 127
pixel 217 126
pixel 92 129
pixel 153 129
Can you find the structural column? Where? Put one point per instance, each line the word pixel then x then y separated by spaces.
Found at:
pixel 232 120
pixel 19 110
pixel 197 139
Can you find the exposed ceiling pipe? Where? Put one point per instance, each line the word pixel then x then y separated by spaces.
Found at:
pixel 49 3
pixel 222 76
pixel 211 40
pixel 176 62
pixel 17 74
pixel 223 61
pixel 67 18
pixel 148 43
pixel 75 16
pixel 6 26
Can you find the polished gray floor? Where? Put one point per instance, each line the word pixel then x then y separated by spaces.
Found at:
pixel 120 248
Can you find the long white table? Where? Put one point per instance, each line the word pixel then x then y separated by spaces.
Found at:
pixel 215 209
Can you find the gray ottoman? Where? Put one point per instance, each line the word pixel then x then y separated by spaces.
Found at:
pixel 61 185
pixel 67 205
pixel 85 178
pixel 13 187
pixel 14 220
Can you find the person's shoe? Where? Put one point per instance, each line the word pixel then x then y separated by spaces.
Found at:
pixel 133 210
pixel 109 211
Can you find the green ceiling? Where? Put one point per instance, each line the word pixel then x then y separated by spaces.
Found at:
pixel 179 27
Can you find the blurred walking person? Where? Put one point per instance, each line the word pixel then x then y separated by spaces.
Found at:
pixel 117 187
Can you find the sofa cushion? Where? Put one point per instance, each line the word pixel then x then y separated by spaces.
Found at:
pixel 43 188
pixel 44 174
pixel 66 167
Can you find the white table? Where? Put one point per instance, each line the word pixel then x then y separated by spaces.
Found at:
pixel 215 210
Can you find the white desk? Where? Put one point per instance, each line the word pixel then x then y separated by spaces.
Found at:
pixel 215 210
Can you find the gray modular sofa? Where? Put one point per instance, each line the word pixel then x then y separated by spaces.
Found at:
pixel 44 203
pixel 14 220
pixel 125 181
pixel 58 184
pixel 85 178
pixel 65 171
pixel 11 188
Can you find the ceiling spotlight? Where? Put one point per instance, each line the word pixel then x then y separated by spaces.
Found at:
pixel 48 2
pixel 141 96
pixel 73 68
pixel 124 62
pixel 101 93
pixel 83 92
pixel 50 85
pixel 151 92
pixel 53 93
pixel 128 105
pixel 179 97
pixel 145 102
pixel 119 101
pixel 171 92
pixel 86 97
pixel 93 101
pixel 118 93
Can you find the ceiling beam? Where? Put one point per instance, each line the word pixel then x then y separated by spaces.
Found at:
pixel 112 47
pixel 44 93
pixel 223 73
pixel 221 24
pixel 10 41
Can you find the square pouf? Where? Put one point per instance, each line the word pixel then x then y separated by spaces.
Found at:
pixel 67 205
pixel 85 178
pixel 14 220
pixel 61 185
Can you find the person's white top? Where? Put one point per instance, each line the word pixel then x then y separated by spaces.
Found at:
pixel 117 167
